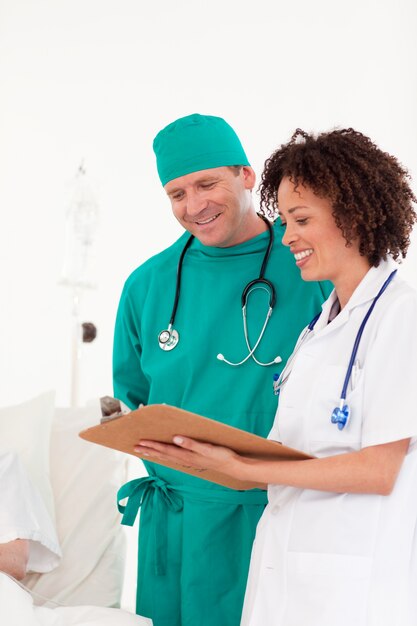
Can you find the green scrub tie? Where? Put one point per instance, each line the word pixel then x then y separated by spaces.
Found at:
pixel 138 491
pixel 164 496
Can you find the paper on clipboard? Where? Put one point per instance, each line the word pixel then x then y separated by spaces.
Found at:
pixel 161 422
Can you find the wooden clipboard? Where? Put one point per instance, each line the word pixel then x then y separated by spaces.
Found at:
pixel 161 422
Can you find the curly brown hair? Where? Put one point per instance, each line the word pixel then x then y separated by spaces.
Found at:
pixel 369 189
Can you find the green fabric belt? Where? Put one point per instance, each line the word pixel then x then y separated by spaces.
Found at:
pixel 155 492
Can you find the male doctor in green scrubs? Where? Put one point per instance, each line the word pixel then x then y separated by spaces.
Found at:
pixel 195 537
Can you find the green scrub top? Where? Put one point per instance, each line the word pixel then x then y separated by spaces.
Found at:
pixel 195 537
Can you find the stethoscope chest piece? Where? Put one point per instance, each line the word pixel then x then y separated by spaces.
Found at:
pixel 168 339
pixel 340 416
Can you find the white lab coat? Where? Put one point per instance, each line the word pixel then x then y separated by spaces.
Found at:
pixel 330 559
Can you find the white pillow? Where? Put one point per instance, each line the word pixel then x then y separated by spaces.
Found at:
pixel 85 478
pixel 25 429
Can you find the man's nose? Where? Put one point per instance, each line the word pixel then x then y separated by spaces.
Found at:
pixel 195 203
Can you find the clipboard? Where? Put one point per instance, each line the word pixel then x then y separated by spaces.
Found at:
pixel 161 422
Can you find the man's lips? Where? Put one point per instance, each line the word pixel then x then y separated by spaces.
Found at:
pixel 207 220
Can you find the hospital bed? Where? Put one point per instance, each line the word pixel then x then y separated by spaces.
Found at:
pixel 78 483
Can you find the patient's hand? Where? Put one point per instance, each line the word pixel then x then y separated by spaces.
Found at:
pixel 14 557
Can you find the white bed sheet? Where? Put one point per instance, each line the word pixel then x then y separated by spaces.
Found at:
pixel 17 609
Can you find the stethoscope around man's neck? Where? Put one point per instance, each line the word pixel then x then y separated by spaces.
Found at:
pixel 169 337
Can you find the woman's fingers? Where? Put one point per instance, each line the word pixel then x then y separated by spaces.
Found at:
pixel 167 452
pixel 205 449
pixel 187 452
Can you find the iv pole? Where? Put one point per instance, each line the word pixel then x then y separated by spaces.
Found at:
pixel 81 224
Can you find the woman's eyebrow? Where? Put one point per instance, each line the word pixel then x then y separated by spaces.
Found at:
pixel 295 208
pixel 299 206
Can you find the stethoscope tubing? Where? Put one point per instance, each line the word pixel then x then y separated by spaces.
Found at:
pixel 340 414
pixel 169 338
pixel 178 285
pixel 359 335
pixel 285 374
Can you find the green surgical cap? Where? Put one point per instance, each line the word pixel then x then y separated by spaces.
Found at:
pixel 194 143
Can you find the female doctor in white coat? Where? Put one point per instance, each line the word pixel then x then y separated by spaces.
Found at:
pixel 337 544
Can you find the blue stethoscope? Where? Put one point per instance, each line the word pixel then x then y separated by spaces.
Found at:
pixel 341 413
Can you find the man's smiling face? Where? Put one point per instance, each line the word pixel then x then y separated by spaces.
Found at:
pixel 215 205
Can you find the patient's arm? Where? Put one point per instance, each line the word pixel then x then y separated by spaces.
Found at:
pixel 14 557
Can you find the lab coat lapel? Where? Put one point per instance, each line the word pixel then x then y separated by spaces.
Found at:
pixel 364 293
pixel 369 287
pixel 322 327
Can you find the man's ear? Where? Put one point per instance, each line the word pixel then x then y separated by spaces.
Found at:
pixel 249 176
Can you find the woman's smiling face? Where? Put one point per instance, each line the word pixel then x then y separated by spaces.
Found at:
pixel 319 248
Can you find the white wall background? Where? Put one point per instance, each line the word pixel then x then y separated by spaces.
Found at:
pixel 96 79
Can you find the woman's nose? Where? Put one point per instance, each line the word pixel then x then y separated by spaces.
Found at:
pixel 289 236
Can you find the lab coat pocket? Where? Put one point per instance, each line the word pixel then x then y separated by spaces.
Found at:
pixel 320 584
pixel 325 436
